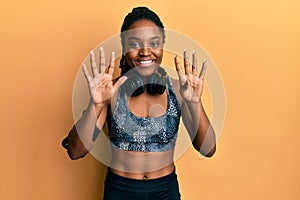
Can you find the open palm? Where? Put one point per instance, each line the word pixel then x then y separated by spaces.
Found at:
pixel 191 84
pixel 101 86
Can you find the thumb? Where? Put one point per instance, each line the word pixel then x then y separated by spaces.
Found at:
pixel 120 82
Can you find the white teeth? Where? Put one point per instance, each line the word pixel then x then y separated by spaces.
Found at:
pixel 145 61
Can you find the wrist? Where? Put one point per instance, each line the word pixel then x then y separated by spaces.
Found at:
pixel 195 106
pixel 194 102
pixel 99 105
pixel 96 108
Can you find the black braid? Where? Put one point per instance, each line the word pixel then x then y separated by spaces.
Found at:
pixel 136 14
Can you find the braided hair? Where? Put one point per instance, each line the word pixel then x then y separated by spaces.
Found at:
pixel 136 14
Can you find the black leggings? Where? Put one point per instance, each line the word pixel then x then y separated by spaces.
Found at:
pixel 122 188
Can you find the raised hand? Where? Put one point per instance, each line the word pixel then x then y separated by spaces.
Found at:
pixel 101 87
pixel 191 84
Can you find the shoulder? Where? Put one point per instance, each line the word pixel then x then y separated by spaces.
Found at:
pixel 112 103
pixel 175 83
pixel 176 86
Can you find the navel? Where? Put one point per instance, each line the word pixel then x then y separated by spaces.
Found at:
pixel 145 177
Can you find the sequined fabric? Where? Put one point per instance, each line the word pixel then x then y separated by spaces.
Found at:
pixel 132 133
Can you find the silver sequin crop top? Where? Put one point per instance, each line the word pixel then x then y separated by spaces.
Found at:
pixel 132 133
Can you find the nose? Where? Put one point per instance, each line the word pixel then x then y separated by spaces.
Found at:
pixel 145 51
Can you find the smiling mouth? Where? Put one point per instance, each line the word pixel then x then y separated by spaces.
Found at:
pixel 145 62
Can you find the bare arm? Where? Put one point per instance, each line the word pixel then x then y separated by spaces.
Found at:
pixel 101 88
pixel 199 128
pixel 193 114
pixel 82 135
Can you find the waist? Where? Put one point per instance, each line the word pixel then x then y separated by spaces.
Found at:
pixel 138 181
pixel 134 162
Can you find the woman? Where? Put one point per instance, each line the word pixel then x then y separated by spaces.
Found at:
pixel 142 108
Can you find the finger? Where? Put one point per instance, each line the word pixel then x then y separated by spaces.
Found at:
pixel 181 76
pixel 194 63
pixel 102 60
pixel 120 82
pixel 112 64
pixel 93 63
pixel 186 62
pixel 86 72
pixel 203 70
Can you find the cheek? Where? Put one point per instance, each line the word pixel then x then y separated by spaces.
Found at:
pixel 159 54
pixel 130 56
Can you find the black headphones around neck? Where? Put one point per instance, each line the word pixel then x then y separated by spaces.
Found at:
pixel 134 85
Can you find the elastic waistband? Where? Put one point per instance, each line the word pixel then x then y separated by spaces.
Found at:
pixel 137 184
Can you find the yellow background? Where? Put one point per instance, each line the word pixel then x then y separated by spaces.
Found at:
pixel 255 45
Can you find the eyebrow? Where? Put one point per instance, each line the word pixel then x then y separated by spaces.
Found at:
pixel 136 38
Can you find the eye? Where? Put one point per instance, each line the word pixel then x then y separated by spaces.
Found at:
pixel 154 44
pixel 134 45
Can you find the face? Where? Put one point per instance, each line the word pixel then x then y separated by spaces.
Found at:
pixel 144 47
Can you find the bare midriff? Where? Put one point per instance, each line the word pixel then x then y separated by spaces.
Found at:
pixel 142 165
